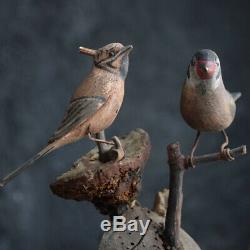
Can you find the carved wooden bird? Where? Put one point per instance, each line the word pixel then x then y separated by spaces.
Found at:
pixel 93 106
pixel 205 103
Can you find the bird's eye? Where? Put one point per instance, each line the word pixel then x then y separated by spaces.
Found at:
pixel 217 64
pixel 111 53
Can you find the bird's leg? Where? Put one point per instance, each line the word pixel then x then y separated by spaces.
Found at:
pixel 100 138
pixel 226 151
pixel 223 145
pixel 105 152
pixel 196 142
pixel 102 146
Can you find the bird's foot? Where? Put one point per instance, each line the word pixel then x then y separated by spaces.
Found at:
pixel 225 152
pixel 117 150
pixel 115 153
pixel 191 161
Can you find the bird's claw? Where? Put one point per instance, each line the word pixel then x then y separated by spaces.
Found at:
pixel 191 161
pixel 115 153
pixel 225 152
pixel 117 149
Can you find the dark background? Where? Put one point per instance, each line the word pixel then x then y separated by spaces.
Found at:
pixel 40 67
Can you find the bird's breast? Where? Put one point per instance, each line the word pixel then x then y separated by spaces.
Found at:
pixel 97 83
pixel 105 84
pixel 213 111
pixel 108 112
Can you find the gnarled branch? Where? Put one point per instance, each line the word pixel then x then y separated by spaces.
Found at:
pixel 178 163
pixel 219 156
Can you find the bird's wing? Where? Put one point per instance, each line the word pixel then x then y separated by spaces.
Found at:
pixel 79 110
pixel 236 95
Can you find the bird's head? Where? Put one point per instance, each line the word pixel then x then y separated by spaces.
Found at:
pixel 112 57
pixel 204 68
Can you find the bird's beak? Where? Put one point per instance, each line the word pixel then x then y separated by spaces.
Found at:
pixel 205 69
pixel 126 49
pixel 86 51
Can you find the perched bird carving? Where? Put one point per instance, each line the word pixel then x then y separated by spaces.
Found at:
pixel 206 105
pixel 93 106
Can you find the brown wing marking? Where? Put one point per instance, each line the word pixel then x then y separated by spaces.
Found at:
pixel 79 110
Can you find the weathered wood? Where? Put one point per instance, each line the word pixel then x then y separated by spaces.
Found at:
pixel 153 239
pixel 178 163
pixel 111 185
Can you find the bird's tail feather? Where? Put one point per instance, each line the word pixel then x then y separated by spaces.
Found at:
pixel 236 95
pixel 26 164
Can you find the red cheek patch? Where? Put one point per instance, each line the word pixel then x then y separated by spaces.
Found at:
pixel 205 69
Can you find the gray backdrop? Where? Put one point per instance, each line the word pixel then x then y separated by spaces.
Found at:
pixel 40 67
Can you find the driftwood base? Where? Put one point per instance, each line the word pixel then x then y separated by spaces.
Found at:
pixel 111 185
pixel 153 239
